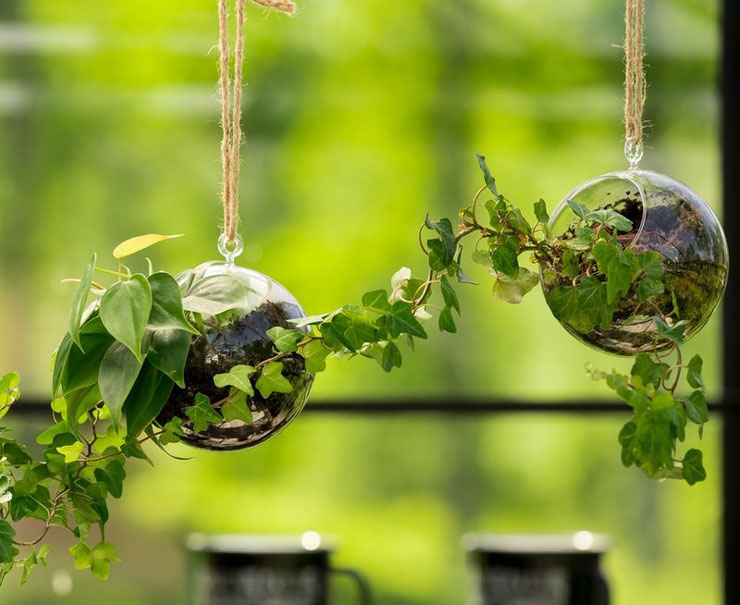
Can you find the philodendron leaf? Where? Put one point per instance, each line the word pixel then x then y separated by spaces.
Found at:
pixel 168 352
pixel 78 302
pixel 118 372
pixel 166 304
pixel 215 294
pixel 513 290
pixel 272 380
pixel 125 310
pixel 286 340
pixel 237 377
pixel 146 399
pixel 139 243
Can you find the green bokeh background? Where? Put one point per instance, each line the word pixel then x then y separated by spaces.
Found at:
pixel 359 117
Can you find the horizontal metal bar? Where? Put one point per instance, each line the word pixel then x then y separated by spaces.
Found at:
pixel 451 406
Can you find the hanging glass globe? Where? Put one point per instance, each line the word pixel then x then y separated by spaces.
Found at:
pixel 671 219
pixel 238 307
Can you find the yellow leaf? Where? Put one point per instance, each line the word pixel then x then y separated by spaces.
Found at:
pixel 71 452
pixel 140 242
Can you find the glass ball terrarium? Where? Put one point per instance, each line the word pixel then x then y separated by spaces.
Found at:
pixel 238 306
pixel 669 218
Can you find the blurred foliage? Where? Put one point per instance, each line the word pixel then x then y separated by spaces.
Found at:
pixel 360 117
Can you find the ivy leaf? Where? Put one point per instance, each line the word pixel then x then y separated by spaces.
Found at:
pixel 578 209
pixel 619 276
pixel 610 218
pixel 448 294
pixel 626 439
pixel 505 260
pixel 47 436
pixel 71 452
pixel 649 371
pixel 237 377
pixel 167 309
pixel 513 290
pixel 694 374
pixel 437 255
pixel 78 302
pixel 649 287
pixel 9 391
pixel 132 449
pixel 402 321
pixel 168 352
pixel 112 475
pixel 315 354
pixel 447 236
pixel 693 468
pixel 172 433
pixel 81 554
pixel 124 310
pixel 487 176
pixel 391 357
pixel 118 372
pixel 7 550
pixel 651 264
pixel 236 408
pixel 696 407
pixel 101 556
pixel 540 211
pixel 285 340
pixel 272 380
pixel 30 562
pixel 139 243
pixel 584 240
pixel 446 322
pixel 673 333
pixel 201 413
pixel 377 300
pixel 146 399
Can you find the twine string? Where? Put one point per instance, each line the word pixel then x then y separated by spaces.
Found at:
pixel 635 83
pixel 231 101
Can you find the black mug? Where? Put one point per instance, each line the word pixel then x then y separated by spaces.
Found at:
pixel 537 569
pixel 264 570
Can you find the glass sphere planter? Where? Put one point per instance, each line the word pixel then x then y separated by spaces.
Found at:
pixel 671 219
pixel 237 336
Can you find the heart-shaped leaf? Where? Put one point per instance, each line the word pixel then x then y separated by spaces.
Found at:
pixel 78 302
pixel 146 399
pixel 125 310
pixel 118 372
pixel 166 304
pixel 168 352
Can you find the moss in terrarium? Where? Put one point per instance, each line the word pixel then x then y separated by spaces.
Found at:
pixel 227 343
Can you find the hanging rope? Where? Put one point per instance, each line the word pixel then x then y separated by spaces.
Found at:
pixel 231 101
pixel 635 84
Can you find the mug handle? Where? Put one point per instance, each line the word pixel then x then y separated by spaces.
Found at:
pixel 363 586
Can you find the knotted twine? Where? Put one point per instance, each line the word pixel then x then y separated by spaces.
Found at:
pixel 231 99
pixel 635 84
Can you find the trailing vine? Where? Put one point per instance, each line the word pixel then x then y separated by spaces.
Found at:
pixel 123 355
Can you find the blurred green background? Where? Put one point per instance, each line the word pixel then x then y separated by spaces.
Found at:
pixel 359 117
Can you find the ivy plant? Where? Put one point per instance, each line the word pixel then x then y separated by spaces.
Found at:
pixel 124 353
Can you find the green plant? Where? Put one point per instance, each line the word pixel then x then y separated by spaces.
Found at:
pixel 122 356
